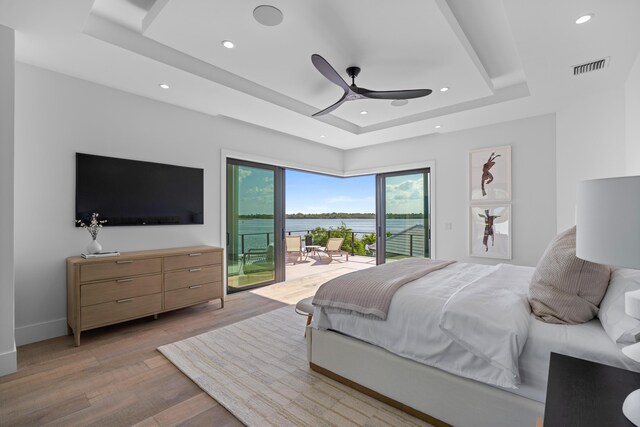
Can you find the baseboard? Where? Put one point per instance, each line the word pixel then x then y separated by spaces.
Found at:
pixel 8 362
pixel 41 331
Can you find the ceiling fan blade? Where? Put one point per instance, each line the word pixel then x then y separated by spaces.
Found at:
pixel 393 94
pixel 327 70
pixel 331 107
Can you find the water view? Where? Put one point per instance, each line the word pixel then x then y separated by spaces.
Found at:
pixel 318 207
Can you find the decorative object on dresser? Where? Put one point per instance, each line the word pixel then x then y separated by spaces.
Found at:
pixel 93 228
pixel 104 291
pixel 608 232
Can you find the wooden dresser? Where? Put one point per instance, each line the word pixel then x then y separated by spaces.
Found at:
pixel 103 291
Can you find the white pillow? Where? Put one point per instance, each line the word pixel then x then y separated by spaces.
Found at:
pixel 620 327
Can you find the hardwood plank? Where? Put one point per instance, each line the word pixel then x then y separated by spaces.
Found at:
pixel 117 377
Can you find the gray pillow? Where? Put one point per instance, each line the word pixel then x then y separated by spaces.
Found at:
pixel 564 288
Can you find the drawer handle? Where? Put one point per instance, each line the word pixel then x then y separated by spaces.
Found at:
pixel 198 254
pixel 193 270
pixel 195 286
pixel 124 262
pixel 124 300
pixel 124 280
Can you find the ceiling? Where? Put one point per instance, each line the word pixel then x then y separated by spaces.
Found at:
pixel 501 60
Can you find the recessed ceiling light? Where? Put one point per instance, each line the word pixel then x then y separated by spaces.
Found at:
pixel 584 18
pixel 164 85
pixel 444 89
pixel 322 136
pixel 228 44
pixel 438 126
pixel 363 112
pixel 399 102
pixel 268 15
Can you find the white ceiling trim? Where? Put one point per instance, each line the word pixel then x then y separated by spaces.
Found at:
pixel 103 27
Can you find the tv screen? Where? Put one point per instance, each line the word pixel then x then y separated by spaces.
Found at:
pixel 131 192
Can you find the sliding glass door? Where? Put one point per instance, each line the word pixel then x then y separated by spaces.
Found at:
pixel 403 215
pixel 255 209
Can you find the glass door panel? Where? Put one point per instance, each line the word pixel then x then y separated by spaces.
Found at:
pixel 251 225
pixel 403 215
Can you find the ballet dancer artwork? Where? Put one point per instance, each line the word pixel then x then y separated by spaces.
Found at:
pixel 490 174
pixel 490 227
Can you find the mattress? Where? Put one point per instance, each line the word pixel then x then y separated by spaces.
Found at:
pixel 411 331
pixel 586 341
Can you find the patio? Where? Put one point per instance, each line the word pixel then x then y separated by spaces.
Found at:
pixel 321 263
pixel 312 265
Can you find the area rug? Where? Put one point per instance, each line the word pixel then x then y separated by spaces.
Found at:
pixel 257 369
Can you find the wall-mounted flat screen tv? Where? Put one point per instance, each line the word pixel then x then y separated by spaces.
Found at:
pixel 132 192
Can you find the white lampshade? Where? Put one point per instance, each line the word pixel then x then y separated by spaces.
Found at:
pixel 608 221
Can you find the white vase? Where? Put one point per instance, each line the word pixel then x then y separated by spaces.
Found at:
pixel 94 247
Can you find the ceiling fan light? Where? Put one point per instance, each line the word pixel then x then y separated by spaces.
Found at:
pixel 399 102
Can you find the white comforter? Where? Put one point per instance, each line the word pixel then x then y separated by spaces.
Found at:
pixel 481 308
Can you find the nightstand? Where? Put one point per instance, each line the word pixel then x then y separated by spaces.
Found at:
pixel 584 394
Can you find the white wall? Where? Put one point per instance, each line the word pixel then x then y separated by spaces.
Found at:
pixel 7 341
pixel 533 182
pixel 632 125
pixel 590 144
pixel 56 116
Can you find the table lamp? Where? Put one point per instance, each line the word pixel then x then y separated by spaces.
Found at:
pixel 608 232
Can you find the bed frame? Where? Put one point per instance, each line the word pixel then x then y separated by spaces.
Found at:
pixel 430 394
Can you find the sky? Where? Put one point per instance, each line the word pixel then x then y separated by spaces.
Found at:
pixel 314 193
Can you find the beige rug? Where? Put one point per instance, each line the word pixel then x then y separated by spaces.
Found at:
pixel 258 370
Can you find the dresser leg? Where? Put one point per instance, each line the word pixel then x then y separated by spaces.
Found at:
pixel 76 337
pixel 221 302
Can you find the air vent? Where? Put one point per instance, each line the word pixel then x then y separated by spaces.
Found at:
pixel 591 66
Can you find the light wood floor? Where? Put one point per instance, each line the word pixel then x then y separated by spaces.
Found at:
pixel 117 377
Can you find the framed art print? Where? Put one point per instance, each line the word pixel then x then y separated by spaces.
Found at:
pixel 490 231
pixel 490 174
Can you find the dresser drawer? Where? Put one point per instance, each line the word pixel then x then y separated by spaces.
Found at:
pixel 123 309
pixel 193 276
pixel 119 268
pixel 195 259
pixel 96 293
pixel 191 295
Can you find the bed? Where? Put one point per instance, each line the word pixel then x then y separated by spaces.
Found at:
pixel 443 382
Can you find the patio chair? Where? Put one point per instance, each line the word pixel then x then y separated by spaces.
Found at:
pixel 371 249
pixel 293 245
pixel 334 247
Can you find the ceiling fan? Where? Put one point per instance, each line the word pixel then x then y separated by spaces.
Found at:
pixel 353 92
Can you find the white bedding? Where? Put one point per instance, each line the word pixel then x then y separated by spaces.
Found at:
pixel 412 331
pixel 586 341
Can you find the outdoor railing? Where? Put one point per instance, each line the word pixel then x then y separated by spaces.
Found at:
pixel 269 237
